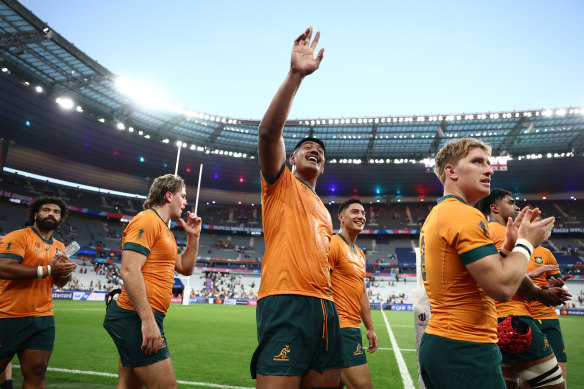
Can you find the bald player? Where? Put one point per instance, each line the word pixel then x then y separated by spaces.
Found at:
pixel 149 259
pixel 31 261
pixel 350 294
pixel 299 343
pixel 536 365
pixel 463 272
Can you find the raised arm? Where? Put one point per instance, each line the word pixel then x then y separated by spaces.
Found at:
pixel 271 148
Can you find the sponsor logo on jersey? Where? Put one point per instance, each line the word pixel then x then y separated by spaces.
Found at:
pixel 140 233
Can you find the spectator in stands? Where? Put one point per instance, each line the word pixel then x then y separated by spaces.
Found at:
pixel 350 294
pixel 31 261
pixel 295 277
pixel 464 272
pixel 149 259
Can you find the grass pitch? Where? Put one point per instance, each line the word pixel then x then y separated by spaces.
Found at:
pixel 211 347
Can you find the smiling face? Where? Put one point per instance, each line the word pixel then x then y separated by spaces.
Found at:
pixel 471 175
pixel 353 218
pixel 308 159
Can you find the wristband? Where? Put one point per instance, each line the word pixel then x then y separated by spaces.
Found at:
pixel 504 251
pixel 40 272
pixel 49 267
pixel 523 246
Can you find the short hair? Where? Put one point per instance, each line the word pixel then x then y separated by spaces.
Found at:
pixel 35 206
pixel 310 139
pixel 346 204
pixel 167 183
pixel 484 204
pixel 453 151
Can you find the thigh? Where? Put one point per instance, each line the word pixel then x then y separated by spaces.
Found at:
pixel 287 335
pixel 552 331
pixel 21 333
pixel 455 364
pixel 159 375
pixel 352 346
pixel 127 378
pixel 538 348
pixel 34 362
pixel 356 377
pixel 277 382
pixel 125 329
pixel 321 379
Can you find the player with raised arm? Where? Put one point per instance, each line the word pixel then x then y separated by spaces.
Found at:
pixel 299 342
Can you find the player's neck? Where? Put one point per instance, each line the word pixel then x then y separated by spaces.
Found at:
pixel 163 212
pixel 45 234
pixel 349 236
pixel 310 181
pixel 453 191
pixel 497 218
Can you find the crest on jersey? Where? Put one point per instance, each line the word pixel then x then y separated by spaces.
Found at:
pixel 538 260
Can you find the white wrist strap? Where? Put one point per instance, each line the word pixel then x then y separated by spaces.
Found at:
pixel 523 246
pixel 39 272
pixel 49 272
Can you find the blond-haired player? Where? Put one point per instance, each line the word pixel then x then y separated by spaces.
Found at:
pixel 463 272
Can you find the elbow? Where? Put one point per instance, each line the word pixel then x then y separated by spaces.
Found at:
pixel 503 294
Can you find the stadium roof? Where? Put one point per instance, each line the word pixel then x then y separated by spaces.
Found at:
pixel 54 69
pixel 32 51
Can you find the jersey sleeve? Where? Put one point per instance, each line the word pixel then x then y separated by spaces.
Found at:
pixel 334 253
pixel 471 238
pixel 13 246
pixel 551 260
pixel 140 236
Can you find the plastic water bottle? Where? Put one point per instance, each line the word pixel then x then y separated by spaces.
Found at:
pixel 72 249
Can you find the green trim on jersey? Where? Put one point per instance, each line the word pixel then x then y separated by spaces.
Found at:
pixel 137 248
pixel 353 249
pixel 11 256
pixel 165 223
pixel 270 180
pixel 308 186
pixel 49 241
pixel 478 253
pixel 441 199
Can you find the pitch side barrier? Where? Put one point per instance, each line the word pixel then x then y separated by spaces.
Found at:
pixel 79 295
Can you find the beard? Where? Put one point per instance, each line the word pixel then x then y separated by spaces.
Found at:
pixel 46 224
